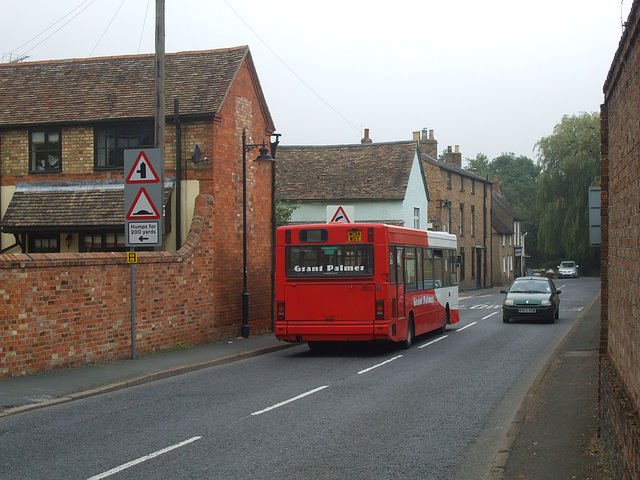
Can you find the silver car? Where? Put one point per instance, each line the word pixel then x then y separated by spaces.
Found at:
pixel 568 268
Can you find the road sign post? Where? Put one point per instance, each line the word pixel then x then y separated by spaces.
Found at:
pixel 143 206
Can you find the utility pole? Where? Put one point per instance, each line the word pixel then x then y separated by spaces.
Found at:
pixel 159 112
pixel 159 120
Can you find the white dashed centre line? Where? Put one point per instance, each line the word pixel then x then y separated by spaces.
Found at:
pixel 379 364
pixel 277 405
pixel 433 341
pixel 466 326
pixel 143 459
pixel 490 315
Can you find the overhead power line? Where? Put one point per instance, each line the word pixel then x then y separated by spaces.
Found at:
pixel 292 71
pixel 53 25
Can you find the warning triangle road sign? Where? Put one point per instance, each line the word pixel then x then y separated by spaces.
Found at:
pixel 142 171
pixel 143 208
pixel 340 216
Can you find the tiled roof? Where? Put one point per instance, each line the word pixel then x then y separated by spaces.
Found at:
pixel 96 89
pixel 60 207
pixel 455 169
pixel 502 215
pixel 371 171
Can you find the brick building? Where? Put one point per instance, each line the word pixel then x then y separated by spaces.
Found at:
pixel 507 240
pixel 460 203
pixel 620 247
pixel 64 126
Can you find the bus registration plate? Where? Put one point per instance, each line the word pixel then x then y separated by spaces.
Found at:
pixel 354 236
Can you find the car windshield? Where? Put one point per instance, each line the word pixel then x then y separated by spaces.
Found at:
pixel 530 286
pixel 567 264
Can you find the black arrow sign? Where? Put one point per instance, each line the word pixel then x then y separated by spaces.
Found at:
pixel 142 239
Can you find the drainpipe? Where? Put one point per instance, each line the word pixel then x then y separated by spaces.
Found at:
pixel 484 208
pixel 176 115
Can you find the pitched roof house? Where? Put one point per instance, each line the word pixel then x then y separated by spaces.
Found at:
pixel 460 204
pixel 507 240
pixel 373 182
pixel 64 126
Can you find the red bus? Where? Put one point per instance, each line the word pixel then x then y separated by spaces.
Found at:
pixel 363 282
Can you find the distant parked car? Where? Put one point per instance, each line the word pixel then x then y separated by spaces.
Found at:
pixel 568 269
pixel 531 298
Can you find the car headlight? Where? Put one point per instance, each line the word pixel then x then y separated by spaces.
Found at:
pixel 545 303
pixel 508 303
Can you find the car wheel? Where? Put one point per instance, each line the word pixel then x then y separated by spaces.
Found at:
pixel 505 319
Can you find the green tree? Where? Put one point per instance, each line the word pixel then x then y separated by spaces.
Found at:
pixel 481 165
pixel 517 177
pixel 283 209
pixel 570 162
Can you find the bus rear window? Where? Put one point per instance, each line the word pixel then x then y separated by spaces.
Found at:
pixel 315 235
pixel 329 260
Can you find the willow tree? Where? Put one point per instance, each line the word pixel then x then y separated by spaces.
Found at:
pixel 570 162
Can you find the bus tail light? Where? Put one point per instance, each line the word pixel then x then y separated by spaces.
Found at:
pixel 280 311
pixel 379 309
pixel 370 235
pixel 287 237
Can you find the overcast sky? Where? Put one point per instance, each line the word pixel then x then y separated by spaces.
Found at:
pixel 491 76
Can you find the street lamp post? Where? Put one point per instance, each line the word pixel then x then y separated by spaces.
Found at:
pixel 264 160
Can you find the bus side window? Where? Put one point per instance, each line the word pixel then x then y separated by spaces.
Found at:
pixel 427 268
pixel 438 272
pixel 454 268
pixel 392 265
pixel 400 265
pixel 410 269
pixel 446 263
pixel 419 270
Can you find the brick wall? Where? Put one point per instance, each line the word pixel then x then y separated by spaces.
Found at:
pixel 620 338
pixel 69 309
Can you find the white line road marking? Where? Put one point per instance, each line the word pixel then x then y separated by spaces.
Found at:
pixel 143 459
pixel 433 341
pixel 490 315
pixel 379 365
pixel 277 405
pixel 466 326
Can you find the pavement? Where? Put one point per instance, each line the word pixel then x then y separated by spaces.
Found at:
pixel 552 436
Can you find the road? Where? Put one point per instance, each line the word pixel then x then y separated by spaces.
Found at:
pixel 436 411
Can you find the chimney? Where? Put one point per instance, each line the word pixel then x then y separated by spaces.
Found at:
pixel 496 186
pixel 454 157
pixel 366 138
pixel 427 144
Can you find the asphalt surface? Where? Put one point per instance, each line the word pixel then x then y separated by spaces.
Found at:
pixel 553 435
